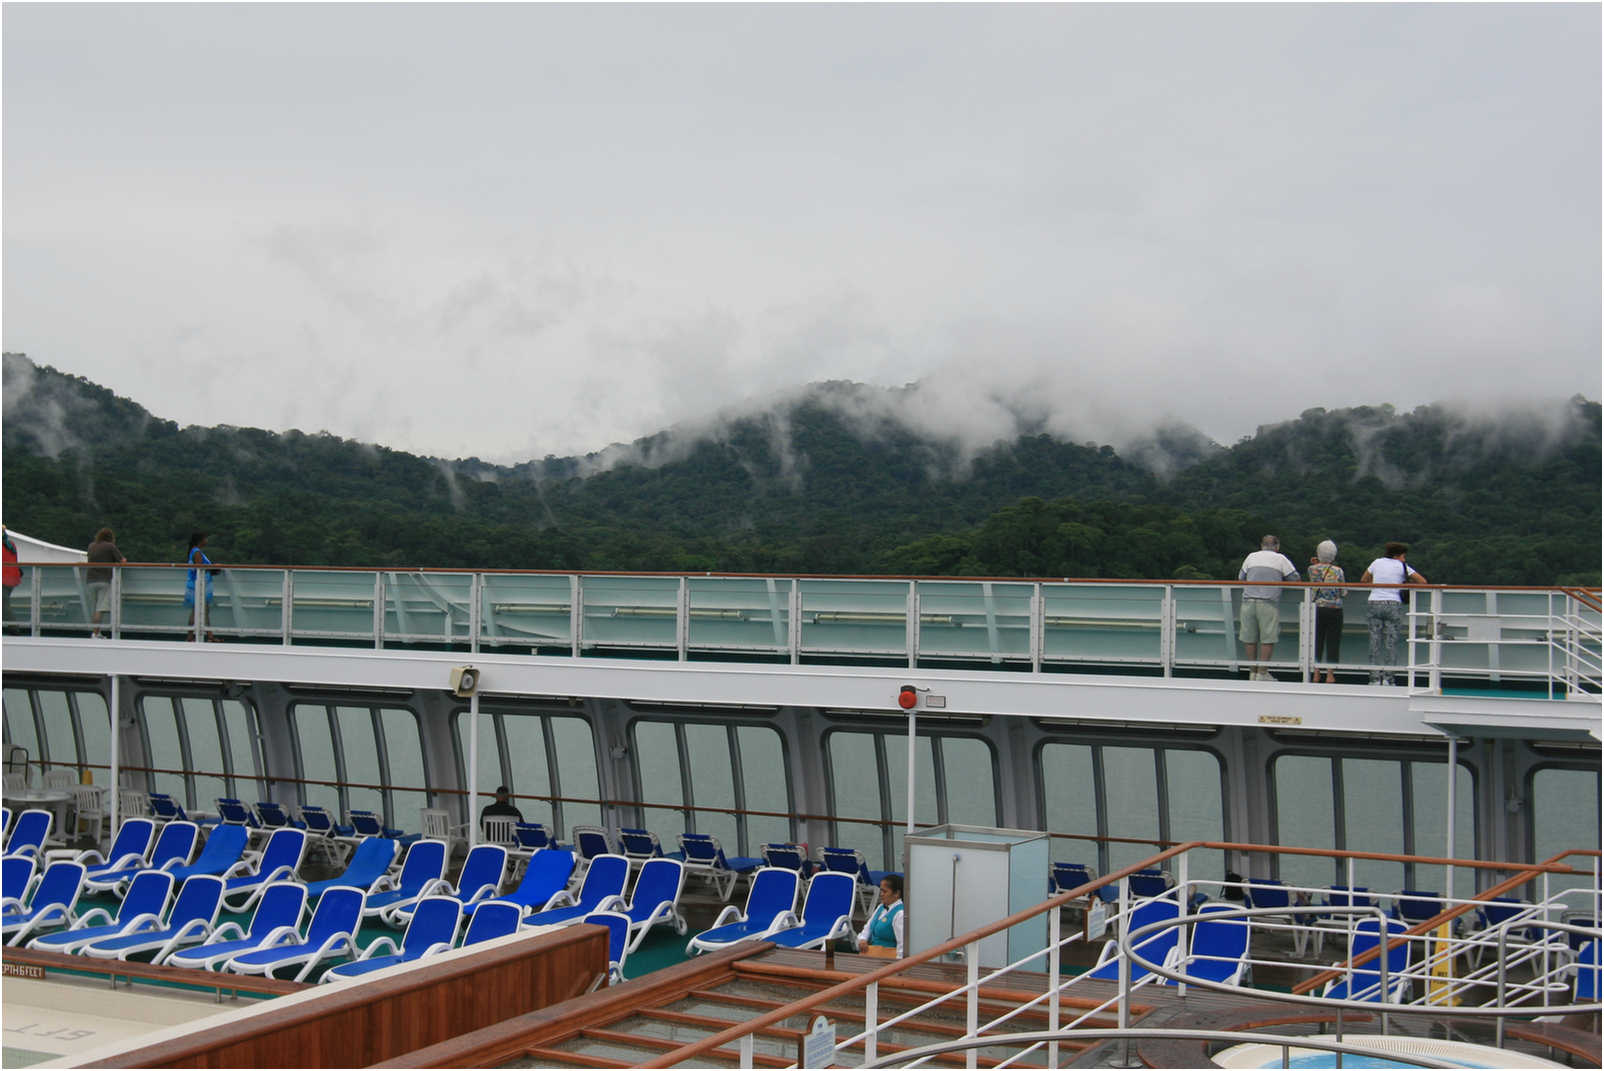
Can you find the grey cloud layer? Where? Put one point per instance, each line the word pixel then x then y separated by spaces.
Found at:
pixel 509 230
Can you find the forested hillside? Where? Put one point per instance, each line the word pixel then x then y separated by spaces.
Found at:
pixel 804 488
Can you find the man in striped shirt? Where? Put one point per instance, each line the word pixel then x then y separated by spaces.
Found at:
pixel 1260 619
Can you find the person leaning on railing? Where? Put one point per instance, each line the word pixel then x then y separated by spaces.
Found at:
pixel 1386 608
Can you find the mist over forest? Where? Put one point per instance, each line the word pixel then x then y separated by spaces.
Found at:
pixel 833 478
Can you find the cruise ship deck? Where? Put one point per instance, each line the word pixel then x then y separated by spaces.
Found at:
pixel 1114 718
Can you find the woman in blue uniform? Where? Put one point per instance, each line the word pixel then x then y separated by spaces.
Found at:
pixel 882 934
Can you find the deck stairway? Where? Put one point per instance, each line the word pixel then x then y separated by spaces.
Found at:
pixel 674 1008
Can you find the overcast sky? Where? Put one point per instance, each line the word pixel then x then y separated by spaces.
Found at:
pixel 509 230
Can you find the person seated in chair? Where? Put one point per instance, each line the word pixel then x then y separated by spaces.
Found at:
pixel 500 808
pixel 882 934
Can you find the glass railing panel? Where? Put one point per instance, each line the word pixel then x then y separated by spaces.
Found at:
pixel 527 609
pixel 1102 622
pixel 245 602
pixel 855 617
pixel 152 602
pixel 427 607
pixel 63 599
pixel 331 605
pixel 630 611
pixel 974 620
pixel 740 613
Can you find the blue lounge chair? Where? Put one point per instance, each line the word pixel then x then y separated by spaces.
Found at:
pixel 1270 893
pixel 231 812
pixel 1335 922
pixel 547 875
pixel 1219 948
pixel 127 849
pixel 1493 914
pixel 273 816
pixel 326 836
pixel 368 824
pixel 1585 990
pixel 190 922
pixel 1149 883
pixel 532 836
pixel 280 860
pixel 16 881
pixel 590 842
pixel 28 833
pixel 222 852
pixel 770 906
pixel 491 919
pixel 175 844
pixel 602 890
pixel 277 912
pixel 1155 947
pixel 1415 906
pixel 331 932
pixel 422 872
pixel 655 899
pixel 1364 981
pixel 788 857
pixel 618 945
pixel 850 861
pixel 1067 876
pixel 704 858
pixel 639 845
pixel 480 879
pixel 164 808
pixel 431 930
pixel 5 822
pixel 145 902
pixel 53 901
pixel 826 913
pixel 366 869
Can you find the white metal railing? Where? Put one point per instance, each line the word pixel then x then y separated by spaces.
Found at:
pixel 1510 984
pixel 1543 640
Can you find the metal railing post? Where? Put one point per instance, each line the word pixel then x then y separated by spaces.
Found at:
pixel 972 1002
pixel 1124 953
pixel 682 619
pixel 1038 622
pixel 913 624
pixel 1054 954
pixel 36 588
pixel 794 622
pixel 1166 643
pixel 1184 892
pixel 476 611
pixel 1434 678
pixel 286 610
pixel 378 609
pixel 116 612
pixel 1306 651
pixel 871 1019
pixel 576 613
pixel 746 1050
pixel 200 605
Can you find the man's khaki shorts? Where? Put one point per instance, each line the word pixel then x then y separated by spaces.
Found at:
pixel 1260 621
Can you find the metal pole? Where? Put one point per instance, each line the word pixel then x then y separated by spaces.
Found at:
pixel 116 756
pixel 972 1010
pixel 1054 936
pixel 871 1020
pixel 473 769
pixel 1453 784
pixel 913 720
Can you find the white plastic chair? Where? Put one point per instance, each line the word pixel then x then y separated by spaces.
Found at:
pixel 132 803
pixel 89 808
pixel 61 777
pixel 498 829
pixel 434 823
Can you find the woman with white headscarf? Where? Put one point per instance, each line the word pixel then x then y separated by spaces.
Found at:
pixel 1327 609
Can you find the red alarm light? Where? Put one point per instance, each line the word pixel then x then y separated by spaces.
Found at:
pixel 908 698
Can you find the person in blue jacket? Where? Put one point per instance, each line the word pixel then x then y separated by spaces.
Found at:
pixel 197 556
pixel 882 934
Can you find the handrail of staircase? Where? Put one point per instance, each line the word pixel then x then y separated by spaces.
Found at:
pixel 692 1050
